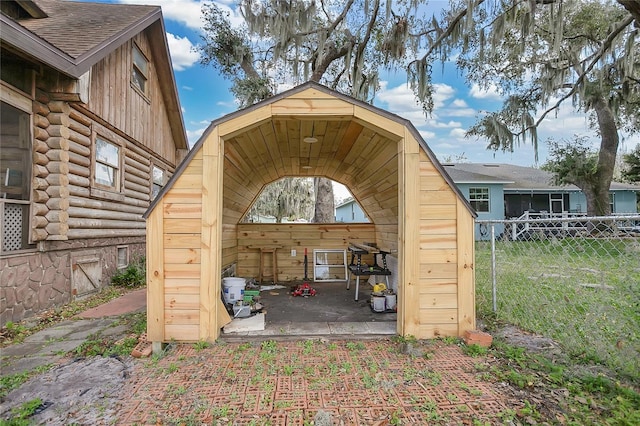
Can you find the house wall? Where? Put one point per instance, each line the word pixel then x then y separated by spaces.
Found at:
pixel 143 117
pixel 625 202
pixel 496 208
pixel 350 213
pixel 77 226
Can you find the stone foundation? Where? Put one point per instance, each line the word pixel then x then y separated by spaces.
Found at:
pixel 33 282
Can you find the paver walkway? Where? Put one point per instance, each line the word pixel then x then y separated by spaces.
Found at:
pixel 289 383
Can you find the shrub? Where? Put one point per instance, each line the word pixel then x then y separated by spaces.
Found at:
pixel 132 276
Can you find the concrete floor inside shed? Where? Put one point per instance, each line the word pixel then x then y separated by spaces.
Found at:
pixel 331 312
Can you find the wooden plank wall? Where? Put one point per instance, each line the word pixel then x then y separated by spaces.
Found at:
pixel 113 98
pixel 181 240
pixel 438 293
pixel 293 236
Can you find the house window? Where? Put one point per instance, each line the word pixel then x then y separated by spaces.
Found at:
pixel 15 178
pixel 612 202
pixel 107 167
pixel 157 181
pixel 140 71
pixel 123 257
pixel 479 199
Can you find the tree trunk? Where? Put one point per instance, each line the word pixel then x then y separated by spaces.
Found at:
pixel 324 211
pixel 633 6
pixel 609 141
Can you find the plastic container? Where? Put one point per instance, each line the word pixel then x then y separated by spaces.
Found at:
pixel 378 303
pixel 241 310
pixel 390 301
pixel 233 289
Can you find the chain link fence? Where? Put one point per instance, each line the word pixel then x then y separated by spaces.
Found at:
pixel 573 279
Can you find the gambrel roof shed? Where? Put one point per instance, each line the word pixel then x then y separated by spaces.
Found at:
pixel 193 226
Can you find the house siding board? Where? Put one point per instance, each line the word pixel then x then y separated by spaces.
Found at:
pixel 115 100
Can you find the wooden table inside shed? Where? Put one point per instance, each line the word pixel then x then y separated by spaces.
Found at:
pixel 357 269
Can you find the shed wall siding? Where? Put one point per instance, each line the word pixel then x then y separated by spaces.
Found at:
pixel 438 258
pixel 181 254
pixel 293 237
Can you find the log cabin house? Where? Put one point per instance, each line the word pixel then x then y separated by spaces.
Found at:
pixel 195 226
pixel 91 130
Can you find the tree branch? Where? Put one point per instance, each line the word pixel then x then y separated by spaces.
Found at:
pixel 603 48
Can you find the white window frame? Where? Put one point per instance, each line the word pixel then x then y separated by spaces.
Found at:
pixel 117 166
pixel 120 249
pixel 475 201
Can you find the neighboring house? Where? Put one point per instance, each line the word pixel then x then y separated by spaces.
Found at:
pixel 503 191
pixel 350 211
pixel 91 131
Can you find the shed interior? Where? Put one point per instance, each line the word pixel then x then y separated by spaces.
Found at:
pixel 415 212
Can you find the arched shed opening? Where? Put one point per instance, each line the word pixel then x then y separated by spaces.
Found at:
pixel 194 227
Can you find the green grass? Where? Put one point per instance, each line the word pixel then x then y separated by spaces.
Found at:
pixel 583 293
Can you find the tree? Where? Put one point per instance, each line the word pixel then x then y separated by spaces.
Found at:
pixel 339 44
pixel 541 54
pixel 631 168
pixel 290 198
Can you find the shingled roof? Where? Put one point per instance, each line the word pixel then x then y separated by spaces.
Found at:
pixel 71 37
pixel 75 35
pixel 514 177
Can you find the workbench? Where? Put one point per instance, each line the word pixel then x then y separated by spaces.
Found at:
pixel 358 269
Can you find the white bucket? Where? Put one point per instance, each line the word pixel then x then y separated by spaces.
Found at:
pixel 233 289
pixel 377 303
pixel 390 301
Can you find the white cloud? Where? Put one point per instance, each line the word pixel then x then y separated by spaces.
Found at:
pixel 194 135
pixel 443 125
pixel 182 54
pixel 400 99
pixel 459 103
pixel 490 93
pixel 458 134
pixel 189 12
pixel 426 135
pixel 442 93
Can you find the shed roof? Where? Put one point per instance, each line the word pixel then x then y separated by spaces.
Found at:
pixel 515 177
pixel 71 37
pixel 277 139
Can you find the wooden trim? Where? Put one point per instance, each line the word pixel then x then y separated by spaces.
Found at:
pixel 408 238
pixel 466 270
pixel 155 277
pixel 211 237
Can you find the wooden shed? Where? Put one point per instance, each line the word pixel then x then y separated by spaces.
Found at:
pixel 194 228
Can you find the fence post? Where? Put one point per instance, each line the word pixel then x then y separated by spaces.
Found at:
pixel 493 267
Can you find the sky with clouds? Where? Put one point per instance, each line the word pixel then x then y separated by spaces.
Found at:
pixel 205 96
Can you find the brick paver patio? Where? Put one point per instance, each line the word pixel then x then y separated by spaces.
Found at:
pixel 372 382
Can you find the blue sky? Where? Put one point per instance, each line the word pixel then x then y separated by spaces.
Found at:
pixel 205 96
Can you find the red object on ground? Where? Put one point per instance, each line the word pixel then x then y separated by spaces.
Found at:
pixel 480 338
pixel 304 290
